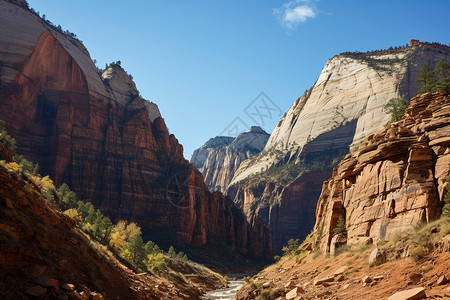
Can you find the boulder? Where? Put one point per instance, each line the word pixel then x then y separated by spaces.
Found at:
pixel 290 285
pixel 68 287
pixel 366 279
pixel 412 294
pixel 51 282
pixel 415 277
pixel 324 279
pixel 378 277
pixel 442 280
pixel 294 293
pixel 336 242
pixel 376 257
pixel 341 271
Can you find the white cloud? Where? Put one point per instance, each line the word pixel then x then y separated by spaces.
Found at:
pixel 294 12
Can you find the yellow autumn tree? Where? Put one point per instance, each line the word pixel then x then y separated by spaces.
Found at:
pixel 118 240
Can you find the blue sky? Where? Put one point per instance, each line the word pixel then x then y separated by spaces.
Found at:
pixel 205 62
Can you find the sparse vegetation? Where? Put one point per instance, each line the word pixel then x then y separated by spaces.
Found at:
pixel 7 141
pixel 122 238
pixel 446 207
pixel 396 108
pixel 437 80
pixel 340 226
pixel 292 247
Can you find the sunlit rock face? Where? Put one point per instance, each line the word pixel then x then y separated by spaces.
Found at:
pixel 220 157
pixel 345 105
pixel 96 133
pixel 394 181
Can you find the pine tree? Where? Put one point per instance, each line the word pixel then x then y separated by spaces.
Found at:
pixel 426 76
pixel 443 72
pixel 172 253
pixel 396 108
pixel 340 226
pixel 446 208
pixel 137 251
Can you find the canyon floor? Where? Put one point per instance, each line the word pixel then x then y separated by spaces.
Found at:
pixel 348 274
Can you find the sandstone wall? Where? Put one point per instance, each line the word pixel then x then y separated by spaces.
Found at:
pixel 111 146
pixel 343 107
pixel 395 180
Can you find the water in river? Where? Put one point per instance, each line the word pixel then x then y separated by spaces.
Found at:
pixel 228 293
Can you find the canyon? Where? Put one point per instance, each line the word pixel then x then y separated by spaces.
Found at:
pixel 93 131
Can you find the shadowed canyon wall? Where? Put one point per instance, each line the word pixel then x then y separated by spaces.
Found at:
pixel 94 132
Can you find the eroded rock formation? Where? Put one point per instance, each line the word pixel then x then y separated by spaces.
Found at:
pixel 220 157
pixel 395 179
pixel 95 133
pixel 282 184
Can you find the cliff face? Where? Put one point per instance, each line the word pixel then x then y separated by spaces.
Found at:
pixel 395 180
pixel 343 107
pixel 220 157
pixel 111 146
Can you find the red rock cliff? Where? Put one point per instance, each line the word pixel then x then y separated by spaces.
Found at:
pixel 110 145
pixel 395 180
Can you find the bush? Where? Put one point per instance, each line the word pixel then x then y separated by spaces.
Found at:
pixel 156 262
pixel 340 226
pixel 291 247
pixel 418 253
pixel 396 108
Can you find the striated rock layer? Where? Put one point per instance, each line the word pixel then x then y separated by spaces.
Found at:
pixel 111 146
pixel 220 157
pixel 394 181
pixel 282 183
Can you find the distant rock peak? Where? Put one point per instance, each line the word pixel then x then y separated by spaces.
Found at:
pixel 220 157
pixel 257 129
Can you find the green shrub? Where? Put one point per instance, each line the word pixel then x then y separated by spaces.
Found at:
pixel 396 108
pixel 446 207
pixel 291 247
pixel 418 253
pixel 340 226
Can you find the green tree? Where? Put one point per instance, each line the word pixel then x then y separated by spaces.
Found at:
pixel 91 215
pixel 426 76
pixel 68 198
pixel 151 248
pixel 26 166
pixel 181 255
pixel 446 207
pixel 6 139
pixel 396 108
pixel 102 228
pixel 156 262
pixel 291 247
pixel 83 209
pixel 443 72
pixel 172 253
pixel 340 226
pixel 137 251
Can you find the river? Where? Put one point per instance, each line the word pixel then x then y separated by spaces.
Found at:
pixel 228 293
